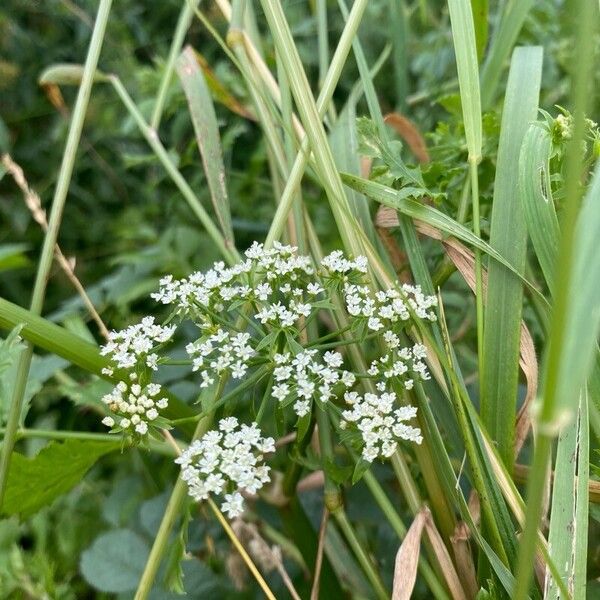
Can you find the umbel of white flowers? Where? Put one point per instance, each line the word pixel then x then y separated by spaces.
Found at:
pixel 275 292
pixel 227 462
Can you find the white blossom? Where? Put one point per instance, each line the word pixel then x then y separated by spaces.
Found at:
pixel 227 462
pixel 134 405
pixel 380 424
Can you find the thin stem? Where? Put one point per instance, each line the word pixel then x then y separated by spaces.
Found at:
pixel 167 523
pixel 365 562
pixel 183 24
pixel 478 271
pixel 229 254
pixel 50 239
pixel 238 545
pixel 325 96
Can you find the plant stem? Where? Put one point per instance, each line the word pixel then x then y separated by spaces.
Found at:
pixel 50 239
pixel 229 254
pixel 365 562
pixel 329 85
pixel 238 545
pixel 478 271
pixel 183 24
pixel 380 497
pixel 169 518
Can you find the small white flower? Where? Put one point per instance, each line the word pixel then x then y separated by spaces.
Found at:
pixel 108 421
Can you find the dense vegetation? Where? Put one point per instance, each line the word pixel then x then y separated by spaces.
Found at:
pixel 453 145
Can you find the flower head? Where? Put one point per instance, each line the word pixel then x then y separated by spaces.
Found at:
pixel 227 462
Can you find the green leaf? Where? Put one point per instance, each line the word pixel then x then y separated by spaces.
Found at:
pixel 508 236
pixel 480 21
pixel 12 257
pixel 115 561
pixel 56 469
pixel 564 534
pixel 205 124
pixel 432 216
pixel 67 74
pixel 536 197
pixel 463 36
pixel 503 40
pixel 582 321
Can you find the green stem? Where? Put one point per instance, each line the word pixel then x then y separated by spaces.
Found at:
pixel 380 497
pixel 58 204
pixel 167 523
pixel 183 24
pixel 85 436
pixel 325 96
pixel 229 254
pixel 478 270
pixel 356 545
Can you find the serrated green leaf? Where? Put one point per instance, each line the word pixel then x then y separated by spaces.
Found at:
pixel 56 469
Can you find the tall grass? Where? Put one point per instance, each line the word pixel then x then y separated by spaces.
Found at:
pixel 461 478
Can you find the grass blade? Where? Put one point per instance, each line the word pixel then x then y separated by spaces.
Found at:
pixel 205 124
pixel 463 36
pixel 480 21
pixel 583 500
pixel 562 535
pixel 58 204
pixel 183 24
pixel 508 236
pixel 576 311
pixel 536 197
pixel 503 40
pixel 403 201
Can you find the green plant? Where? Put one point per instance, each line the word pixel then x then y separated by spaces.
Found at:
pixel 451 212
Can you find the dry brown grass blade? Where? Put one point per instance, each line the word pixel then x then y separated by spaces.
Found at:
pixel 407 559
pixel 34 204
pixel 464 260
pixel 463 558
pixel 409 132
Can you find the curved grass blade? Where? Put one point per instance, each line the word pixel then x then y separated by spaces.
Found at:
pixel 205 124
pixel 536 198
pixel 403 201
pixel 508 236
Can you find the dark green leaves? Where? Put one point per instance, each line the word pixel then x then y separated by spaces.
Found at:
pixel 38 481
pixel 115 561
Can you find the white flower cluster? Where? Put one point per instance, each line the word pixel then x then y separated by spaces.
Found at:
pixel 132 346
pixel 383 309
pixel 134 406
pixel 400 361
pixel 220 352
pixel 380 425
pixel 308 375
pixel 227 462
pixel 264 276
pixel 336 262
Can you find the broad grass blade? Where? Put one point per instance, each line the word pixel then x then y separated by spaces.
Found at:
pixel 536 198
pixel 463 36
pixel 508 236
pixel 205 124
